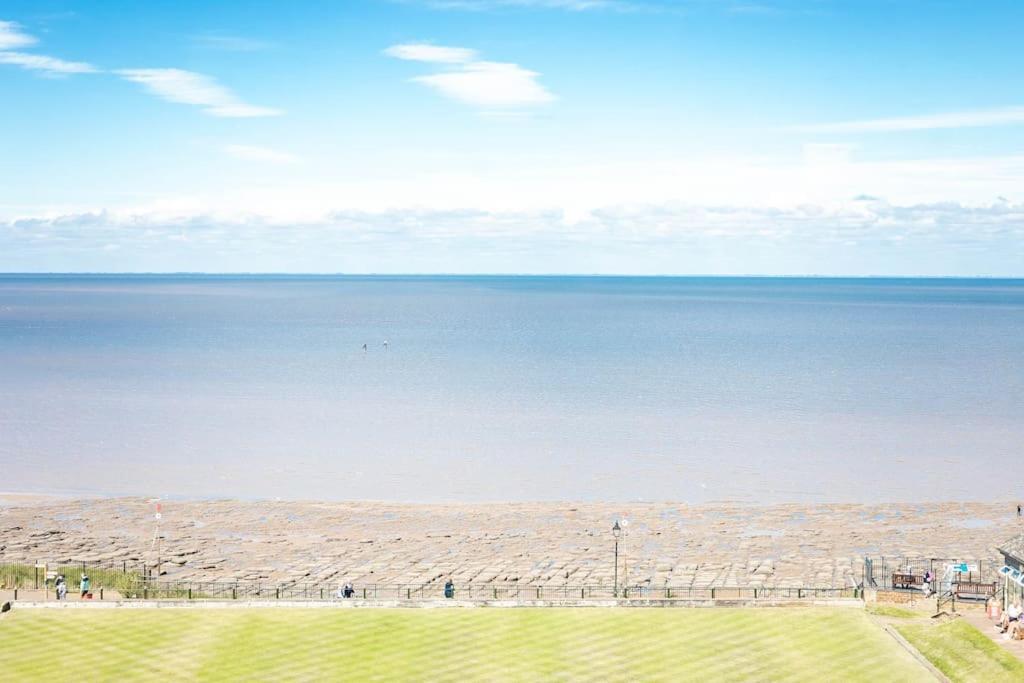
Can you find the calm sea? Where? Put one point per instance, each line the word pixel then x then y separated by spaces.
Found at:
pixel 513 388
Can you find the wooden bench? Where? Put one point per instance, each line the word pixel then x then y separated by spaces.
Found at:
pixel 974 589
pixel 907 580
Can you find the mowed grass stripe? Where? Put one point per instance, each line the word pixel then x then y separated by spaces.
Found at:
pixel 778 644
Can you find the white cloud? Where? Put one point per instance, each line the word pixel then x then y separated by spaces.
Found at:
pixel 490 84
pixel 965 119
pixel 48 65
pixel 256 153
pixel 12 37
pixel 188 87
pixel 480 83
pixel 420 52
pixel 858 238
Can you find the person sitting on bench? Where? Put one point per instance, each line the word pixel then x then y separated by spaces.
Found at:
pixel 1011 615
pixel 1017 630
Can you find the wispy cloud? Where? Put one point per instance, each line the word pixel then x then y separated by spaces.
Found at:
pixel 479 83
pixel 48 65
pixel 11 36
pixel 421 52
pixel 188 87
pixel 262 154
pixel 965 119
pixel 490 84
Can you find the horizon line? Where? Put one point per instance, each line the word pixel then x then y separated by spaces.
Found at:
pixel 793 276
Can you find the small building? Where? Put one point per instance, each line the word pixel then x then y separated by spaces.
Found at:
pixel 1012 571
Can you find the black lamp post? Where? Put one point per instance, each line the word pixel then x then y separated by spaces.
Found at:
pixel 616 532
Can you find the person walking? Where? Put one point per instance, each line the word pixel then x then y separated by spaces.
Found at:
pixel 84 585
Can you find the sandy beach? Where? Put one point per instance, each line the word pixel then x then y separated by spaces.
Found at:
pixel 722 544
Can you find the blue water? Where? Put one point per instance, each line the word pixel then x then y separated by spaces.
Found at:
pixel 504 388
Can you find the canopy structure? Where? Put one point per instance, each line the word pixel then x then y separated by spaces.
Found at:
pixel 1013 570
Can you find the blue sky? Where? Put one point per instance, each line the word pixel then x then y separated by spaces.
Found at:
pixel 567 136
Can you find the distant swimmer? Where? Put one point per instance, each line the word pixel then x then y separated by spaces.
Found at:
pixel 364 347
pixel 385 344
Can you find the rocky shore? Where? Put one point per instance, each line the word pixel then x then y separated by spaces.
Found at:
pixel 723 544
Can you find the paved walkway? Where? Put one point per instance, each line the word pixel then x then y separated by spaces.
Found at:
pixel 975 616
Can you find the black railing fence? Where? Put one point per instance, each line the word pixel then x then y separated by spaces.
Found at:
pixel 133 581
pixel 226 590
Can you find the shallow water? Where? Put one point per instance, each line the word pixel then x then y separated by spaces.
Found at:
pixel 497 388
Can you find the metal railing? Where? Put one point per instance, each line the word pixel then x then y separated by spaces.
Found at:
pixel 40 575
pixel 880 572
pixel 133 580
pixel 228 590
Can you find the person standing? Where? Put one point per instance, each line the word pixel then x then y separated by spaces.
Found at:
pixel 84 585
pixel 449 589
pixel 62 587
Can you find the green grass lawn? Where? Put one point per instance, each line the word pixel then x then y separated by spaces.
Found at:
pixel 812 644
pixel 962 652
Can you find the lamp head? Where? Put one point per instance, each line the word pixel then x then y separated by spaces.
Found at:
pixel 616 529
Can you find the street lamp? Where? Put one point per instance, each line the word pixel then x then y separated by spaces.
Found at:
pixel 616 532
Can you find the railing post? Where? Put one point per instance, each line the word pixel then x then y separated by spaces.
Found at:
pixel 145 592
pixel 364 594
pixel 408 594
pixel 101 592
pixel 712 592
pixel 190 592
pixel 15 592
pixel 234 592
